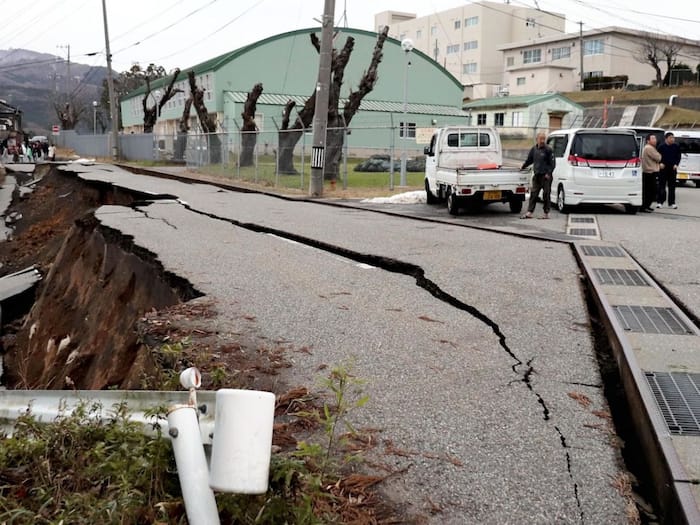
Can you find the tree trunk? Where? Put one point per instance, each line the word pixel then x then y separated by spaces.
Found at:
pixel 182 129
pixel 249 131
pixel 207 123
pixel 150 114
pixel 335 139
pixel 287 140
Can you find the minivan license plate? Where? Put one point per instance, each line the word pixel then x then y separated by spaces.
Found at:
pixel 492 195
pixel 605 173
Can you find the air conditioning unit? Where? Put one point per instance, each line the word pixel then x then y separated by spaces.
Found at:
pixel 503 91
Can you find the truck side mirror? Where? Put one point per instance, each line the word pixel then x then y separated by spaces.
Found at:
pixel 427 151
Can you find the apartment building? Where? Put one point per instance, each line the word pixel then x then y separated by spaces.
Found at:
pixel 551 64
pixel 467 40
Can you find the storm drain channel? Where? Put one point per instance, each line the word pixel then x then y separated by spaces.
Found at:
pixel 651 320
pixel 583 226
pixel 657 351
pixel 678 398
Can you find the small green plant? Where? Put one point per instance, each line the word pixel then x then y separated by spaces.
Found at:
pixel 219 376
pixel 346 396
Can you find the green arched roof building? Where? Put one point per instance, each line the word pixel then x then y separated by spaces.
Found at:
pixel 287 66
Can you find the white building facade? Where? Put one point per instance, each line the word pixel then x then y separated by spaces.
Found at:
pixel 553 64
pixel 467 40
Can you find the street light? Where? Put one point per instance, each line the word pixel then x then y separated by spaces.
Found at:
pixel 407 46
pixel 94 117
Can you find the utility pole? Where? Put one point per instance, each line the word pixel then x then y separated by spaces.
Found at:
pixel 580 52
pixel 113 110
pixel 322 95
pixel 68 86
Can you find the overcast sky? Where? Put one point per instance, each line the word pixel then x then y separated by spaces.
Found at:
pixel 182 33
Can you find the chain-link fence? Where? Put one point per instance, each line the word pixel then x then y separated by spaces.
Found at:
pixel 358 156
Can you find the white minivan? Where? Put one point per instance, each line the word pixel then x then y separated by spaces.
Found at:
pixel 596 166
pixel 689 142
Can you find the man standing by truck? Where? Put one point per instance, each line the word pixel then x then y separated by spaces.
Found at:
pixel 541 157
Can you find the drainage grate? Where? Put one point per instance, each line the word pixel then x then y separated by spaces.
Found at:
pixel 589 220
pixel 678 398
pixel 620 277
pixel 589 232
pixel 602 251
pixel 651 320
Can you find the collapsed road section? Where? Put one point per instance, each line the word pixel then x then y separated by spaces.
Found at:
pixel 488 401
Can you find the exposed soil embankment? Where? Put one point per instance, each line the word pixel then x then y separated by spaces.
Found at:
pixel 80 331
pixel 106 313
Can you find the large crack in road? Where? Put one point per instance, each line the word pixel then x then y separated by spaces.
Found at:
pixel 523 370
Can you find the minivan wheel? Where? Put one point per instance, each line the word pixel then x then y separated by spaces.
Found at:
pixel 631 210
pixel 561 201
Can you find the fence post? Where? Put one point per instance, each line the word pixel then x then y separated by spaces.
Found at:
pixel 392 146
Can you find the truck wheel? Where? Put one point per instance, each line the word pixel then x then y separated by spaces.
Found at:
pixel 561 201
pixel 516 205
pixel 429 197
pixel 452 204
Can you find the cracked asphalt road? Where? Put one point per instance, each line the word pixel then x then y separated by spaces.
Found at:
pixel 475 346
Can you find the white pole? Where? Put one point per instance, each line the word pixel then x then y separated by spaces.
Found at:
pixel 192 468
pixel 407 46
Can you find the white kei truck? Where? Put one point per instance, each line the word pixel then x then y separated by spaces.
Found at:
pixel 463 167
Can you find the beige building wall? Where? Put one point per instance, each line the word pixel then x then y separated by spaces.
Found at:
pixel 466 39
pixel 553 64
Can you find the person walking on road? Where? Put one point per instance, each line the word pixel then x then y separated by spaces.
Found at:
pixel 541 157
pixel 651 166
pixel 670 159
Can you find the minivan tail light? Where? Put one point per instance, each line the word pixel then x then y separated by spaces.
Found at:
pixel 633 163
pixel 577 161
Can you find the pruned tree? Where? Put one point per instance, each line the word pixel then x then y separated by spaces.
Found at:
pixel 69 113
pixel 654 51
pixel 151 113
pixel 290 135
pixel 183 127
pixel 337 122
pixel 670 51
pixel 249 130
pixel 128 81
pixel 206 121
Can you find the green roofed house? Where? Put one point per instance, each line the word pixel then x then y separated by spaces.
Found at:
pixel 524 115
pixel 287 66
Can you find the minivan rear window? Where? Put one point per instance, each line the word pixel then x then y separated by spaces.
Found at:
pixel 605 146
pixel 688 144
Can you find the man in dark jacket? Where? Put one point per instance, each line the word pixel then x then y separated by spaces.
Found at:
pixel 541 157
pixel 670 159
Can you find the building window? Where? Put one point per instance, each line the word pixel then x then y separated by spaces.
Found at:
pixel 531 56
pixel 561 52
pixel 593 47
pixel 498 119
pixel 471 21
pixel 472 44
pixel 517 119
pixel 458 24
pixel 419 34
pixel 520 81
pixel 469 68
pixel 410 131
pixel 481 119
pixel 454 48
pixel 593 74
pixel 510 61
pixel 433 30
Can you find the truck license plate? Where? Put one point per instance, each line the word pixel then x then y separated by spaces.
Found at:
pixel 492 195
pixel 682 176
